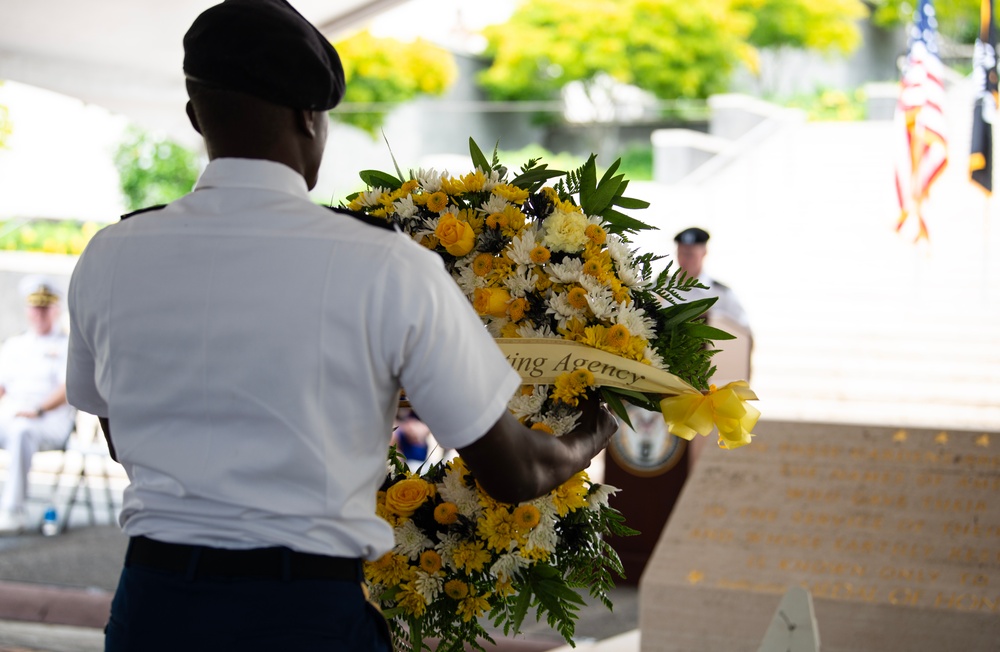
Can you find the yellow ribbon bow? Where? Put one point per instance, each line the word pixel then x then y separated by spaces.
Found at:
pixel 726 407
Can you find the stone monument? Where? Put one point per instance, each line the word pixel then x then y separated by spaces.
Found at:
pixel 894 532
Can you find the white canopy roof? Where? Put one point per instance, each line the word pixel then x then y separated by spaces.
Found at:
pixel 126 55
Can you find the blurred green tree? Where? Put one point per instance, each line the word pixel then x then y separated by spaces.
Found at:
pixel 6 128
pixel 827 26
pixel 957 19
pixel 153 170
pixel 385 70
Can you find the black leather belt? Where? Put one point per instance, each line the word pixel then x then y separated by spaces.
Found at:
pixel 256 563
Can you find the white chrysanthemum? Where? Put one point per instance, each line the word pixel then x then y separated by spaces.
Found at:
pixel 369 198
pixel 599 496
pixel 521 282
pixel 495 204
pixel 655 359
pixel 619 251
pixel 527 330
pixel 568 271
pixel 523 406
pixel 495 327
pixel 446 548
pixel 559 306
pixel 492 180
pixel 508 566
pixel 453 490
pixel 561 424
pixel 635 320
pixel 542 537
pixel 428 586
pixel 599 297
pixel 430 180
pixel 520 247
pixel 630 276
pixel 468 281
pixel 405 208
pixel 410 541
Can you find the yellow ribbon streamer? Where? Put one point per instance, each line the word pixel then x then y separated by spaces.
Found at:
pixel 686 411
pixel 726 408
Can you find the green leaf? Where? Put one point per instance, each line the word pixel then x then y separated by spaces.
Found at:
pixel 377 178
pixel 616 405
pixel 609 172
pixel 631 203
pixel 687 311
pixel 478 158
pixel 399 172
pixel 603 195
pixel 636 398
pixel 534 175
pixel 519 611
pixel 622 223
pixel 588 183
pixel 707 332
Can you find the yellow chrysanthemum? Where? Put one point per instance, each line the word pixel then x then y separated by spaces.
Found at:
pixel 497 221
pixel 474 181
pixel 577 297
pixel 411 601
pixel 543 427
pixel 456 589
pixel 390 569
pixel 470 556
pixel 509 330
pixel 517 308
pixel 535 554
pixel 593 268
pixel 514 220
pixel 596 234
pixel 437 201
pixel 473 606
pixel 567 389
pixel 408 187
pixel 582 378
pixel 430 562
pixel 540 255
pixel 526 517
pixel 504 587
pixel 617 337
pixel 453 186
pixel 482 264
pixel 542 280
pixel 496 527
pixel 446 513
pixel 571 495
pixel 511 193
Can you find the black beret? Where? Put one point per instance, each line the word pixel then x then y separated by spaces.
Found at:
pixel 266 49
pixel 694 235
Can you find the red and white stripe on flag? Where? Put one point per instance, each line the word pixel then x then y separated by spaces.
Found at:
pixel 923 148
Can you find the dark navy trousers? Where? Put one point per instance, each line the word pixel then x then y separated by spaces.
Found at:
pixel 156 610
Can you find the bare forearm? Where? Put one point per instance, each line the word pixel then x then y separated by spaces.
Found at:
pixel 514 463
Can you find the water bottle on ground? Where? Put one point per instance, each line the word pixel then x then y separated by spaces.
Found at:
pixel 50 522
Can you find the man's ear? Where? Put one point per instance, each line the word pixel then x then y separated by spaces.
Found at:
pixel 192 117
pixel 305 120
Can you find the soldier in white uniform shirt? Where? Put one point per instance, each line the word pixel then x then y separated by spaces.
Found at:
pixel 244 349
pixel 34 414
pixel 692 246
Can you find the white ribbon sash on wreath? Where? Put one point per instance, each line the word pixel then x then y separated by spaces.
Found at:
pixel 686 411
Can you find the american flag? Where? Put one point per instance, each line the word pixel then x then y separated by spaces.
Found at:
pixel 985 73
pixel 923 149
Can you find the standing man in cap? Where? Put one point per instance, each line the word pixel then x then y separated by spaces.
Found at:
pixel 692 246
pixel 244 349
pixel 33 411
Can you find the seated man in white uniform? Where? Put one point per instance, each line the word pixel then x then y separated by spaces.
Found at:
pixel 34 414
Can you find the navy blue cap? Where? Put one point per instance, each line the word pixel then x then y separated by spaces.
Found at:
pixel 694 235
pixel 267 49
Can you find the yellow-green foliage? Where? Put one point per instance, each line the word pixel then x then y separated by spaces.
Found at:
pixel 957 19
pixel 671 48
pixel 5 126
pixel 385 70
pixel 47 236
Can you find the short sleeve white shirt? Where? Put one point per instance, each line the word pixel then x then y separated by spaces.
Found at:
pixel 32 367
pixel 248 348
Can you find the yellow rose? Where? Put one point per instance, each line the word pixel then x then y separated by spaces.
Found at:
pixel 456 236
pixel 491 301
pixel 406 496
